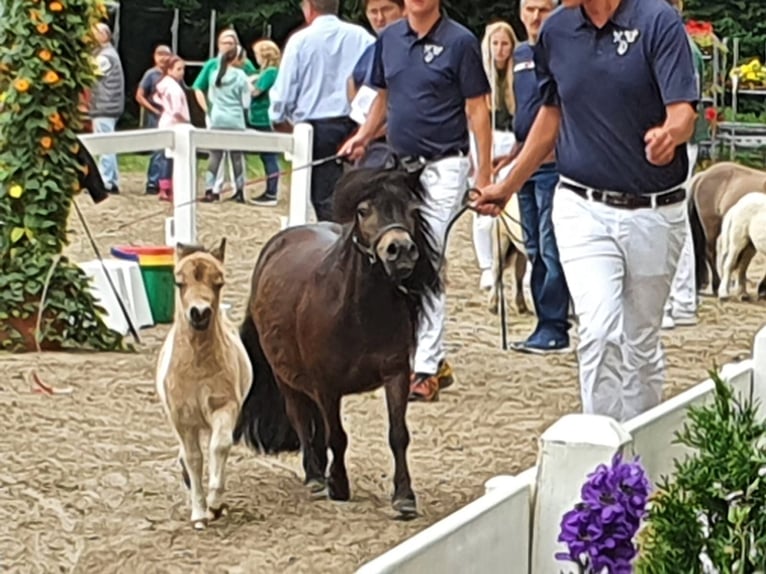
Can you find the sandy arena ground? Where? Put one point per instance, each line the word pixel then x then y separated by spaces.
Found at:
pixel 89 481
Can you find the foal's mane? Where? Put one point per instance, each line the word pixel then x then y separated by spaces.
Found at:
pixel 401 186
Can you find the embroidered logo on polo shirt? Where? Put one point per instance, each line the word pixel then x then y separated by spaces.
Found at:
pixel 431 51
pixel 624 39
pixel 521 66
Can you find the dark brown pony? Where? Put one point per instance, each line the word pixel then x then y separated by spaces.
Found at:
pixel 333 311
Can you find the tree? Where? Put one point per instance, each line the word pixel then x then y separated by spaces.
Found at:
pixel 45 65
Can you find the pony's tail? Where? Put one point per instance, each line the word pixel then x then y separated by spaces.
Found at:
pixel 263 420
pixel 699 240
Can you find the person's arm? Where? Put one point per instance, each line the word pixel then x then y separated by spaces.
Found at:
pixel 202 83
pixel 351 89
pixel 673 67
pixel 143 101
pixel 284 91
pixel 265 82
pixel 474 87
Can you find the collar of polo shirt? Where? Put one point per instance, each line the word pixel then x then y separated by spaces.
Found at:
pixel 623 16
pixel 408 31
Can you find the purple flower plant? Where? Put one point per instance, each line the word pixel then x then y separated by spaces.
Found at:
pixel 599 530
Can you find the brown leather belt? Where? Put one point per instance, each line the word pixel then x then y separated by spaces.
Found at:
pixel 628 200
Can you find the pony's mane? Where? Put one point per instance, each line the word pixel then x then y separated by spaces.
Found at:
pixel 361 184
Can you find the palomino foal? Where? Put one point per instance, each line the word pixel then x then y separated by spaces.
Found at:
pixel 203 375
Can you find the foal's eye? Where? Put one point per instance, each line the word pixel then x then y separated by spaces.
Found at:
pixel 179 284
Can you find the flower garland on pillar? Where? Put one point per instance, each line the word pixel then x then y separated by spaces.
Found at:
pixel 45 65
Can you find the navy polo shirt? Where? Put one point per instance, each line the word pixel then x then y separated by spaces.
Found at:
pixel 428 80
pixel 363 66
pixel 612 86
pixel 525 90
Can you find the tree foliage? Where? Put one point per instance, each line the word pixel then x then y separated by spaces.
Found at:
pixel 745 19
pixel 45 64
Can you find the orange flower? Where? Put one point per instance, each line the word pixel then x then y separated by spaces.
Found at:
pixel 56 6
pixel 46 142
pixel 57 123
pixel 21 85
pixel 50 77
pixel 45 55
pixel 42 28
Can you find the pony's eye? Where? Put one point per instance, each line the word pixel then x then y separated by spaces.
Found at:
pixel 179 284
pixel 363 211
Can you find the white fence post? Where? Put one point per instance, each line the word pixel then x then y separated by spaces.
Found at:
pixel 759 369
pixel 300 180
pixel 570 449
pixel 184 185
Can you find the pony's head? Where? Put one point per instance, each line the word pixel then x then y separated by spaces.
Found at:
pixel 383 208
pixel 199 276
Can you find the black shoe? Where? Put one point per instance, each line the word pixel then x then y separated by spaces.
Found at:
pixel 265 199
pixel 114 189
pixel 152 190
pixel 210 197
pixel 239 197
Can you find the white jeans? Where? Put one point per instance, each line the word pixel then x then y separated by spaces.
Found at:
pixel 502 143
pixel 619 264
pixel 682 301
pixel 445 182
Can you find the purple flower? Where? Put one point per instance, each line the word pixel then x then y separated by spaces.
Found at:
pixel 599 530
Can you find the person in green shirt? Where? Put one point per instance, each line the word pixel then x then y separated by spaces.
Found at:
pixel 267 56
pixel 227 40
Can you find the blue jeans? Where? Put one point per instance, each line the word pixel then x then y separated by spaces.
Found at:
pixel 107 163
pixel 154 171
pixel 549 287
pixel 270 162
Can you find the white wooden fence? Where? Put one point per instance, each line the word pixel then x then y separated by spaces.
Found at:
pixel 513 528
pixel 184 141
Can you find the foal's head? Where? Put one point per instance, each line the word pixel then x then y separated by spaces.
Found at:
pixel 199 277
pixel 383 206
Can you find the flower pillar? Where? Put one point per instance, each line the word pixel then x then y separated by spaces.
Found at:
pixel 45 65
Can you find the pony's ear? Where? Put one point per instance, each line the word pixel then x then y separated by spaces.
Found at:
pixel 182 250
pixel 219 251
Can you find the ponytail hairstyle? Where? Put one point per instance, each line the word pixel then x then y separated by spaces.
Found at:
pixel 227 59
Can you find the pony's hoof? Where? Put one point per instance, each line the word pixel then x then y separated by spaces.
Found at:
pixel 217 513
pixel 406 508
pixel 340 493
pixel 199 524
pixel 745 297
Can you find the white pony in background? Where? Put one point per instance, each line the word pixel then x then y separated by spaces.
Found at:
pixel 743 234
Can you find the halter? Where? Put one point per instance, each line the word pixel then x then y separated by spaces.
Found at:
pixel 371 251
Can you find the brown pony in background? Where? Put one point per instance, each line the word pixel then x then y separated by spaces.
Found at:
pixel 333 310
pixel 712 193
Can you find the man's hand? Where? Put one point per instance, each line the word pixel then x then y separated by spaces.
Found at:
pixel 354 147
pixel 492 199
pixel 660 146
pixel 501 162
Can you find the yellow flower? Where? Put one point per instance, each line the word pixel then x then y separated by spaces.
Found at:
pixel 42 28
pixel 15 191
pixel 45 55
pixel 46 142
pixel 21 85
pixel 50 77
pixel 3 96
pixel 56 6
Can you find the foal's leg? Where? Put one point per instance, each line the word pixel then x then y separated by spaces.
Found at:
pixel 520 269
pixel 222 428
pixel 744 262
pixel 192 456
pixel 338 488
pixel 302 412
pixel 397 390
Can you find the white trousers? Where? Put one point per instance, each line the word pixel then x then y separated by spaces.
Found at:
pixel 502 143
pixel 682 301
pixel 445 182
pixel 619 264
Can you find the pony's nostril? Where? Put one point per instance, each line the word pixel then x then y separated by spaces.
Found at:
pixel 199 315
pixel 392 249
pixel 412 250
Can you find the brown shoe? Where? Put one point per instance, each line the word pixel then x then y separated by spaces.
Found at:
pixel 424 388
pixel 445 375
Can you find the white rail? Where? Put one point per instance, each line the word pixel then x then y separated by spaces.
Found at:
pixel 184 141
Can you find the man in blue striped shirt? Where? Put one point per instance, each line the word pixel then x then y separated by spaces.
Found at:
pixel 311 87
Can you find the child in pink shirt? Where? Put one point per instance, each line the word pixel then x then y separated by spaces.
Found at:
pixel 175 110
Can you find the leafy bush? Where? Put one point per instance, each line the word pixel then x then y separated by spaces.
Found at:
pixel 45 64
pixel 713 506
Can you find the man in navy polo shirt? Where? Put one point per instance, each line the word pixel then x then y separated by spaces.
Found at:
pixel 619 90
pixel 548 285
pixel 431 86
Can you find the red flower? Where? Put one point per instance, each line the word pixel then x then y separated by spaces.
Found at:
pixel 711 114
